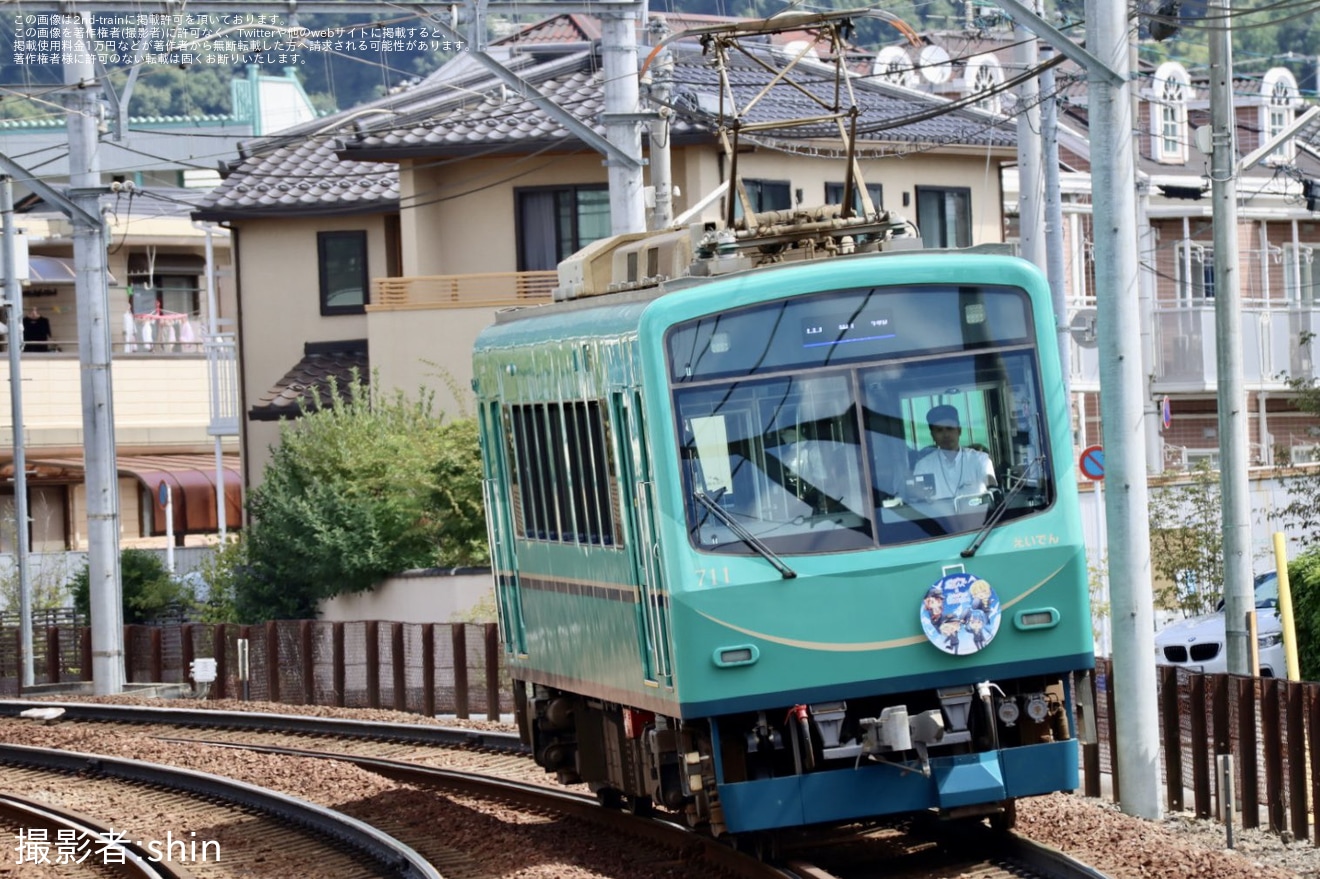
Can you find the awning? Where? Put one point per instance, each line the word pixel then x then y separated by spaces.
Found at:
pixel 191 479
pixel 142 265
pixel 54 270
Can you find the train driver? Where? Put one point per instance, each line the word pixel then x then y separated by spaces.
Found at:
pixel 955 471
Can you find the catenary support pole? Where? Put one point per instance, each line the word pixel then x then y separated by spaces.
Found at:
pixel 618 46
pixel 1123 385
pixel 1031 178
pixel 101 475
pixel 14 299
pixel 1230 388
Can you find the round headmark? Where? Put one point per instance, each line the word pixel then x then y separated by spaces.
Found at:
pixel 960 613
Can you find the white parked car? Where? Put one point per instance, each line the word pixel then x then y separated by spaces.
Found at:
pixel 1197 643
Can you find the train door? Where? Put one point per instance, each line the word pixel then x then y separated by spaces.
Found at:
pixel 639 523
pixel 500 530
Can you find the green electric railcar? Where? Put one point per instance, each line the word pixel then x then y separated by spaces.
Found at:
pixel 735 577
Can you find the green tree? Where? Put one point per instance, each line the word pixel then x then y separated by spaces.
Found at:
pixel 1304 586
pixel 220 572
pixel 1187 543
pixel 365 486
pixel 149 592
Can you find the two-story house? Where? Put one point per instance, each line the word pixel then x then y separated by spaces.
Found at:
pixel 172 306
pixel 386 237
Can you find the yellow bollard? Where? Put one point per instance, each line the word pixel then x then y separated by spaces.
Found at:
pixel 1286 609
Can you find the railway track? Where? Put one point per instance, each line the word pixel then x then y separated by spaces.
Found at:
pixel 492 763
pixel 61 837
pixel 157 809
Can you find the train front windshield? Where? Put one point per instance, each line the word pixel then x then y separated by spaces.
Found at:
pixel 858 418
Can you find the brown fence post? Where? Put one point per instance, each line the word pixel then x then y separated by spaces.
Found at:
pixel 186 651
pixel 1170 729
pixel 1201 787
pixel 458 636
pixel 130 655
pixel 1273 742
pixel 1111 715
pixel 52 654
pixel 1222 730
pixel 307 649
pixel 18 653
pixel 1249 777
pixel 399 667
pixel 373 664
pixel 1297 761
pixel 1091 750
pixel 273 661
pixel 337 661
pixel 492 671
pixel 85 649
pixel 157 670
pixel 220 650
pixel 428 669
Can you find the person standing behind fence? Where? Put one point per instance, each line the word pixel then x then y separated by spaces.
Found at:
pixel 36 331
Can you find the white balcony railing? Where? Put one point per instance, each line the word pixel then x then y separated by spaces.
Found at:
pixel 222 373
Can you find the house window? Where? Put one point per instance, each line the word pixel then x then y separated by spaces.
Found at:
pixel 834 195
pixel 1168 98
pixel 1298 274
pixel 765 195
pixel 1196 272
pixel 1281 97
pixel 984 76
pixel 555 223
pixel 944 215
pixel 342 263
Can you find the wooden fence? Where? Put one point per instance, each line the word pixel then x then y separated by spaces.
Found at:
pixel 1271 727
pixel 432 668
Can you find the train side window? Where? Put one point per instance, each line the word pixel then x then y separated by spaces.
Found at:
pixel 561 473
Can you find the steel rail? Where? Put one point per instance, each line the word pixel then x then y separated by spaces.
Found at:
pixel 137 861
pixel 418 733
pixel 535 796
pixel 398 858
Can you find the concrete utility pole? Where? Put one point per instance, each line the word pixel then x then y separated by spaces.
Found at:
pixel 1123 389
pixel 14 299
pixel 101 473
pixel 1031 179
pixel 618 45
pixel 1054 266
pixel 1230 388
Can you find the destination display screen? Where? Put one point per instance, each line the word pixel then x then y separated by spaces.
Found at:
pixel 843 329
pixel 846 326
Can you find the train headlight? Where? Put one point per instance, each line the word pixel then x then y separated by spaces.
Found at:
pixel 1008 712
pixel 1037 707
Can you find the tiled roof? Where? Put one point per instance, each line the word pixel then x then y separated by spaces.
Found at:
pixel 446 124
pixel 299 172
pixel 339 164
pixel 324 367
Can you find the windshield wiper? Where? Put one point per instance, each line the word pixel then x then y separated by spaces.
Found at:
pixel 743 534
pixel 1000 510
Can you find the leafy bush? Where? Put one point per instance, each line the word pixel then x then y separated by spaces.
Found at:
pixel 1304 586
pixel 363 487
pixel 149 592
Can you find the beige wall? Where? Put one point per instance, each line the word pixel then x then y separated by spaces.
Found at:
pixel 281 308
pixel 429 348
pixel 417 597
pixel 465 208
pixel 464 222
pixel 158 401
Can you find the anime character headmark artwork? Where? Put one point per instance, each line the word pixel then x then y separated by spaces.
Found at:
pixel 960 614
